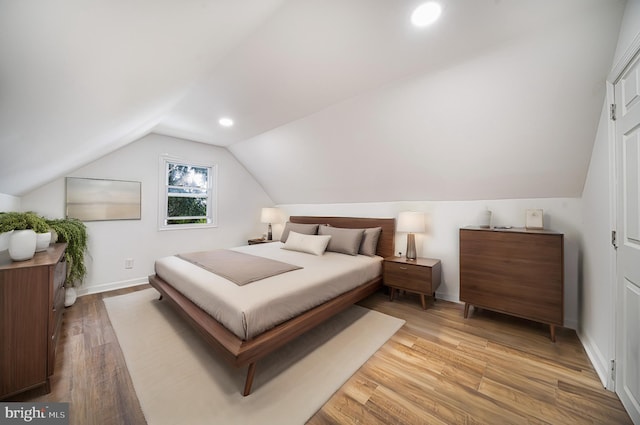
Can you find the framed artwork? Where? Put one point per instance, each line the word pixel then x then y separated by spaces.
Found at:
pixel 534 219
pixel 100 199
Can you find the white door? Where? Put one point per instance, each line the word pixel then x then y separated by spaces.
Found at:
pixel 627 98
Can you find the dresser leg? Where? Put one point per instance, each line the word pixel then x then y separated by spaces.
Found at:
pixel 392 292
pixel 424 302
pixel 552 329
pixel 466 310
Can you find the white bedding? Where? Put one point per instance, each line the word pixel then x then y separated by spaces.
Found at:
pixel 251 309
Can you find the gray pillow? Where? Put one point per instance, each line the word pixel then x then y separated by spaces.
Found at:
pixel 304 229
pixel 369 243
pixel 345 241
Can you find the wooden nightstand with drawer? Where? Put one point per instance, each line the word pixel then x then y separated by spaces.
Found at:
pixel 420 276
pixel 259 241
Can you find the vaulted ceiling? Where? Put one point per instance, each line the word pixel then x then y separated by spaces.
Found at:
pixel 333 100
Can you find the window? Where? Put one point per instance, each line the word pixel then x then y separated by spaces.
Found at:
pixel 187 194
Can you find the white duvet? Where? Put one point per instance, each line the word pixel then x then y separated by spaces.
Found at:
pixel 251 309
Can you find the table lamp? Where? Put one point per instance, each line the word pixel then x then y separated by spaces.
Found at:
pixel 411 222
pixel 270 215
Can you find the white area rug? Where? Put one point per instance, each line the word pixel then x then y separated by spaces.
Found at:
pixel 181 380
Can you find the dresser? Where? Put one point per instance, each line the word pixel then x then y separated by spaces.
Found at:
pixel 515 271
pixel 31 308
pixel 420 276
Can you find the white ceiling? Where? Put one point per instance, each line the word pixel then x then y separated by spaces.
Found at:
pixel 334 100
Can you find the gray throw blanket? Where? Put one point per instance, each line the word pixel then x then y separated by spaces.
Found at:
pixel 238 267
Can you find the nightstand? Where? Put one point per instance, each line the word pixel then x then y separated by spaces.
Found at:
pixel 420 276
pixel 257 241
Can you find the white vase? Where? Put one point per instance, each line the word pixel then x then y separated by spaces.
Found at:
pixel 42 241
pixel 4 240
pixel 70 296
pixel 484 219
pixel 22 245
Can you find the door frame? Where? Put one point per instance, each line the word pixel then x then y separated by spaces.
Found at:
pixel 613 77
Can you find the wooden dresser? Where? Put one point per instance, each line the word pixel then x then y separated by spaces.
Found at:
pixel 514 271
pixel 31 308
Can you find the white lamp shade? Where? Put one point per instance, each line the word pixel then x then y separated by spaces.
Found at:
pixel 411 222
pixel 270 215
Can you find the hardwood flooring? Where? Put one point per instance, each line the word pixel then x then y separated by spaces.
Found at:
pixel 438 369
pixel 90 371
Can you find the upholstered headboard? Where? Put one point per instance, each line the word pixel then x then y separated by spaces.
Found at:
pixel 387 236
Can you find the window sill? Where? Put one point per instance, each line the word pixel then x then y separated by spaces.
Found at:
pixel 186 226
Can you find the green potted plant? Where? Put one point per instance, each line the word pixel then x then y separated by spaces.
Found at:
pixel 29 233
pixel 42 229
pixel 74 233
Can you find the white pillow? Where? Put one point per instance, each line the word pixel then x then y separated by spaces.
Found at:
pixel 311 244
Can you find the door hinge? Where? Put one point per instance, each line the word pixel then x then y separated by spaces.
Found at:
pixel 612 112
pixel 614 239
pixel 613 370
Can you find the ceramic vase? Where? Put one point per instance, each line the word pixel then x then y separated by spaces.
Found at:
pixel 484 219
pixel 4 240
pixel 70 296
pixel 42 241
pixel 22 245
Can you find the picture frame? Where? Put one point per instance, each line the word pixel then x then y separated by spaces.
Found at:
pixel 89 199
pixel 534 219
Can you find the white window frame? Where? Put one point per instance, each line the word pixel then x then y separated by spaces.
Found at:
pixel 163 194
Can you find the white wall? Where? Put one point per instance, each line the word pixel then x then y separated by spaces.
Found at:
pixel 596 297
pixel 9 203
pixel 444 220
pixel 240 198
pixel 597 315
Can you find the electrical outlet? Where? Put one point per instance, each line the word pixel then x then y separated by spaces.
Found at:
pixel 128 263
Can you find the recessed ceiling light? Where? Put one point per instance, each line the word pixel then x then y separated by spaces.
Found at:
pixel 225 122
pixel 426 14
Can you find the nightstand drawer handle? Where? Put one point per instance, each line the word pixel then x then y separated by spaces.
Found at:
pixel 403 268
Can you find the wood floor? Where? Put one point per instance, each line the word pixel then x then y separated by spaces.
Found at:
pixel 438 369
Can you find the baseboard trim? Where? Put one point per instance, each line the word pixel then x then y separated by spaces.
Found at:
pixel 600 364
pixel 451 298
pixel 571 324
pixel 96 289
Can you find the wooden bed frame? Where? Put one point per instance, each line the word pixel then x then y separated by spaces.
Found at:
pixel 247 352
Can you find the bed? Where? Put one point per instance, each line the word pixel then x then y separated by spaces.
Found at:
pixel 242 350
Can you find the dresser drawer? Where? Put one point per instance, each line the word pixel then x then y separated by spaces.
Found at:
pixel 58 302
pixel 59 275
pixel 56 324
pixel 409 277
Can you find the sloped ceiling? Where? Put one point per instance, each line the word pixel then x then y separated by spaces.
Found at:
pixel 334 100
pixel 79 79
